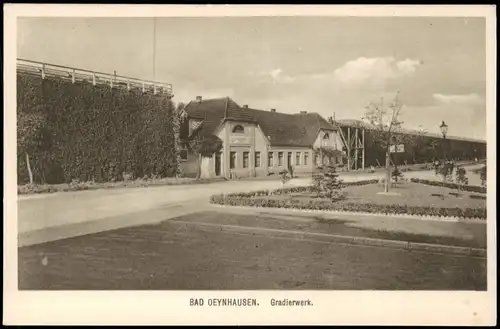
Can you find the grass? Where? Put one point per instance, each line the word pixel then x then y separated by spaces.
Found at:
pixel 411 194
pixel 471 235
pixel 82 186
pixel 172 255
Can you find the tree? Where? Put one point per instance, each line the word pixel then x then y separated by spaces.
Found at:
pixel 32 135
pixel 326 183
pixel 203 145
pixel 180 125
pixel 385 124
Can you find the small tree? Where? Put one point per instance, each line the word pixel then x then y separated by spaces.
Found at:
pixel 446 172
pixel 396 175
pixel 284 177
pixel 327 184
pixel 385 124
pixel 482 175
pixel 461 178
pixel 32 135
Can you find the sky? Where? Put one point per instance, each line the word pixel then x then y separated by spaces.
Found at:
pixel 317 64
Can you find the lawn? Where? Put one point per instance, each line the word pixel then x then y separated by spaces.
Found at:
pixel 411 194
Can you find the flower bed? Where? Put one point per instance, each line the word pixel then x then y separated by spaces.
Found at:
pixel 468 188
pixel 393 209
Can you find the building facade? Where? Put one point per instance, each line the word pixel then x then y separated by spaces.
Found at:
pixel 256 143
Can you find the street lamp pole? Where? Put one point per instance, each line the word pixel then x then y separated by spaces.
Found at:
pixel 444 131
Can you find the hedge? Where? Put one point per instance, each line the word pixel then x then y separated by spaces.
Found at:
pixel 468 188
pixel 394 209
pixel 96 132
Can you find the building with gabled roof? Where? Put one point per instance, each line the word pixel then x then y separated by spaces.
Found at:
pixel 257 142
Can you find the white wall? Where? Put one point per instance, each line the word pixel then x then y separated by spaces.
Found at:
pixel 334 141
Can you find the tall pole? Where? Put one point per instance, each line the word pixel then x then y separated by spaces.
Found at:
pixel 348 148
pixel 363 149
pixel 444 149
pixel 154 48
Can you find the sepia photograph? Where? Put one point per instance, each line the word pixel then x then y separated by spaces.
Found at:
pixel 257 153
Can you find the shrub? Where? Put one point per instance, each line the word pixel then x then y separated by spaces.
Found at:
pixel 482 175
pixel 446 172
pixel 480 197
pixel 396 175
pixel 468 188
pixel 461 178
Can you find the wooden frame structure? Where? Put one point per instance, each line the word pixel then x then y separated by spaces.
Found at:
pixel 354 144
pixel 73 74
pixel 352 134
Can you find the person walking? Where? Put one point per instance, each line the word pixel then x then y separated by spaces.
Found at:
pixel 437 164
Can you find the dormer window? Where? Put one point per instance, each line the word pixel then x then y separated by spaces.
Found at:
pixel 326 136
pixel 238 129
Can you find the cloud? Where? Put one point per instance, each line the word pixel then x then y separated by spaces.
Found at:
pixel 377 70
pixel 458 99
pixel 465 114
pixel 408 66
pixel 276 75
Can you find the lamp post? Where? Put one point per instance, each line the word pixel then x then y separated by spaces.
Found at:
pixel 444 131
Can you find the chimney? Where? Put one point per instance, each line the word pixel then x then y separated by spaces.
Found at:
pixel 245 106
pixel 303 112
pixel 273 110
pixel 198 99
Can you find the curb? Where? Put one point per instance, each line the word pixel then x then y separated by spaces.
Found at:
pixel 342 239
pixel 356 213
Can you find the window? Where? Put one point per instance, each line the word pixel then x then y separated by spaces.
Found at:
pixel 238 129
pixel 280 159
pixel 270 156
pixel 232 160
pixel 326 136
pixel 306 158
pixel 183 153
pixel 245 159
pixel 289 159
pixel 257 159
pixel 297 159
